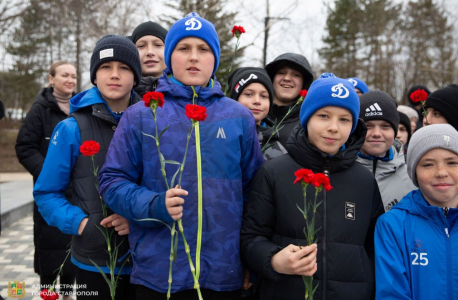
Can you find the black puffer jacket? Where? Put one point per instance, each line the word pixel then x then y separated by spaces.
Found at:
pixel 277 112
pixel 347 218
pixel 31 147
pixel 265 136
pixel 147 84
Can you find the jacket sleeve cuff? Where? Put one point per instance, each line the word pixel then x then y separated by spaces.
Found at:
pixel 76 223
pixel 158 210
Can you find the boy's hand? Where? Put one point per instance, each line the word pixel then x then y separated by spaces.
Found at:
pixel 246 280
pixel 293 260
pixel 120 224
pixel 174 203
pixel 82 225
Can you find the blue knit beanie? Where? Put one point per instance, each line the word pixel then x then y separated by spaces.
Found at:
pixel 359 84
pixel 192 26
pixel 329 90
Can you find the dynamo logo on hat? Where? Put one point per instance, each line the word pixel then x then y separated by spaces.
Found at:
pixel 354 82
pixel 340 88
pixel 195 24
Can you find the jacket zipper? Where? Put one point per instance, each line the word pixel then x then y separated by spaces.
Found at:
pixel 374 166
pixel 449 258
pixel 326 170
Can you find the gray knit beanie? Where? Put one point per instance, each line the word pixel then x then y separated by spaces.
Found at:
pixel 428 138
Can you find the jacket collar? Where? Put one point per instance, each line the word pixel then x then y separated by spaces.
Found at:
pixel 170 89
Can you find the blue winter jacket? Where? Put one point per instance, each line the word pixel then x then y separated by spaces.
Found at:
pixel 416 248
pixel 222 159
pixel 63 151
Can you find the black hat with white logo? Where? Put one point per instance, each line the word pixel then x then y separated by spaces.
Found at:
pixel 243 77
pixel 378 105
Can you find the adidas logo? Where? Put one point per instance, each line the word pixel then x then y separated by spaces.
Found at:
pixel 221 134
pixel 374 110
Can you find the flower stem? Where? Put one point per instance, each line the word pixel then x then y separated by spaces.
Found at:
pixel 276 128
pixel 191 265
pixel 159 150
pixel 232 62
pixel 172 253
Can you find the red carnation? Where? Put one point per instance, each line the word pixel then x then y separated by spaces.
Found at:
pixel 237 31
pixel 321 181
pixel 156 97
pixel 304 174
pixel 196 112
pixel 419 95
pixel 303 93
pixel 89 148
pixel 47 295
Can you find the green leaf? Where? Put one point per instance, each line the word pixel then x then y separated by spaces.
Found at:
pixel 172 183
pixel 300 209
pixel 149 135
pixel 103 274
pixel 172 162
pixel 162 132
pixel 155 220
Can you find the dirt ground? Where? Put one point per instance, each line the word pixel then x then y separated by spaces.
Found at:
pixel 8 159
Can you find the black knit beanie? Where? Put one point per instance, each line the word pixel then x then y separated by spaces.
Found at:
pixel 378 105
pixel 242 77
pixel 116 48
pixel 445 101
pixel 415 88
pixel 148 28
pixel 404 120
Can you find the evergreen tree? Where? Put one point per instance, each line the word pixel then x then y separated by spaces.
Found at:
pixel 344 38
pixel 429 45
pixel 213 11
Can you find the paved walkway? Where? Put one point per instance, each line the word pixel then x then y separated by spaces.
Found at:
pixel 16 258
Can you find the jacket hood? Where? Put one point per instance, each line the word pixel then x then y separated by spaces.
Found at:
pixel 174 90
pixel 265 132
pixel 307 155
pixel 386 168
pixel 45 97
pixel 297 60
pixel 85 99
pixel 147 84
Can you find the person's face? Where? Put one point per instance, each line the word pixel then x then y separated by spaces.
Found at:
pixel 433 117
pixel 114 80
pixel 379 138
pixel 329 128
pixel 358 92
pixel 413 124
pixel 65 79
pixel 403 135
pixel 192 62
pixel 287 84
pixel 151 50
pixel 255 97
pixel 437 176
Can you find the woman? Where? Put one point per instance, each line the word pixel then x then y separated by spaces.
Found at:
pixel 51 106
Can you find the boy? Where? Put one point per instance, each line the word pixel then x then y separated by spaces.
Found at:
pixel 411 114
pixel 360 86
pixel 404 131
pixel 95 113
pixel 273 243
pixel 416 242
pixel 442 107
pixel 149 39
pixel 253 89
pixel 290 73
pixel 225 152
pixel 381 152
